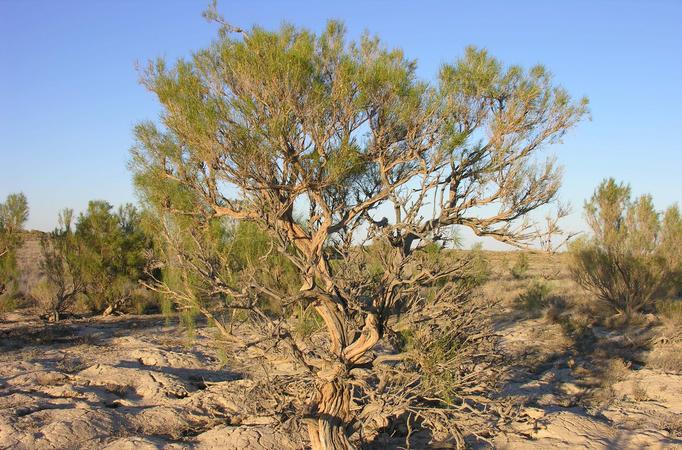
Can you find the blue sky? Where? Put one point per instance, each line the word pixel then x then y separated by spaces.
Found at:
pixel 69 92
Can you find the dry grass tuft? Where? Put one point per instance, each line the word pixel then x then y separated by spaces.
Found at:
pixel 672 423
pixel 666 352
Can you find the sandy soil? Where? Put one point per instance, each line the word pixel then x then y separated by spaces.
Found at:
pixel 139 383
pixel 571 405
pixel 121 383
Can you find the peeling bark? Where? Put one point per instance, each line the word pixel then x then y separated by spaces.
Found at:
pixel 327 429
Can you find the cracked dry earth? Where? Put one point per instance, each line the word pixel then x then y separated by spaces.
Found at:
pixel 138 383
pixel 121 383
pixel 568 406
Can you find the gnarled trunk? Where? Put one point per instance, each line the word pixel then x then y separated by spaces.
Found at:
pixel 330 420
pixel 327 428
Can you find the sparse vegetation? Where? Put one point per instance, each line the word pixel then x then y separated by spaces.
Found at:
pixel 62 269
pixel 520 268
pixel 304 204
pixel 639 392
pixel 635 253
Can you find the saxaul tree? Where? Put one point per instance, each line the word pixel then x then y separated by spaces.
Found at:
pixel 113 246
pixel 634 254
pixel 13 217
pixel 358 171
pixel 62 269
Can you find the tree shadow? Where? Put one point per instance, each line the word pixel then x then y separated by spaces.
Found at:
pixel 196 377
pixel 72 332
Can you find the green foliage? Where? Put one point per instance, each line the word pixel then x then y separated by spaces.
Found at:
pixel 635 253
pixel 249 247
pixel 520 268
pixel 113 253
pixel 188 321
pixel 535 297
pixel 13 216
pixel 13 213
pixel 308 321
pixel 303 137
pixel 406 340
pixel 62 267
pixel 99 260
pixel 480 269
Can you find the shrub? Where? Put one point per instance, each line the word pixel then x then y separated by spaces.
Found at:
pixel 666 351
pixel 480 265
pixel 520 268
pixel 635 253
pixel 13 216
pixel 62 267
pixel 670 309
pixel 535 297
pixel 113 246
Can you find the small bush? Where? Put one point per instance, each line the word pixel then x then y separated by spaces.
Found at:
pixel 556 309
pixel 672 423
pixel 8 303
pixel 144 301
pixel 613 371
pixel 670 309
pixel 480 270
pixel 616 370
pixel 45 296
pixel 666 352
pixel 639 393
pixel 535 297
pixel 519 270
pixel 307 322
pixel 666 357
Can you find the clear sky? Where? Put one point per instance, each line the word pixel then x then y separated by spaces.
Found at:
pixel 69 92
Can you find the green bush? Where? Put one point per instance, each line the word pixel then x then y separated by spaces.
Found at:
pixel 535 297
pixel 308 321
pixel 634 255
pixel 13 216
pixel 519 270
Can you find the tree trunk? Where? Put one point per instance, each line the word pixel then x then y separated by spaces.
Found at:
pixel 327 428
pixel 114 306
pixel 108 311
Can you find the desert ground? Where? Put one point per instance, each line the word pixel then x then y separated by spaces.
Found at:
pixel 147 382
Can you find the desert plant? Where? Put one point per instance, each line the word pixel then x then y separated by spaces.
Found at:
pixel 13 216
pixel 671 309
pixel 535 297
pixel 113 246
pixel 666 349
pixel 62 267
pixel 318 138
pixel 635 253
pixel 520 268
